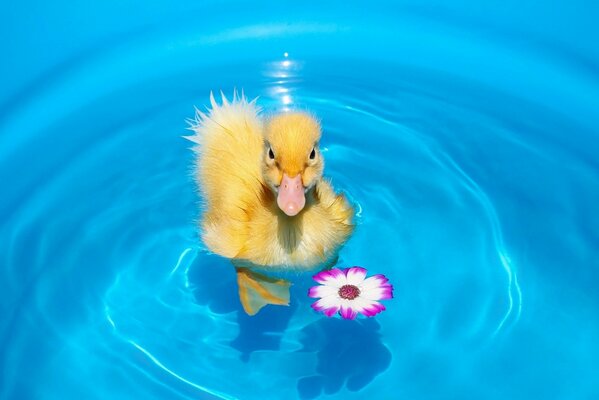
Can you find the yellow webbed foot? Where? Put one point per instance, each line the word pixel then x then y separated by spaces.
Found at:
pixel 257 290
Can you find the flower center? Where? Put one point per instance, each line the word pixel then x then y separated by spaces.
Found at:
pixel 349 292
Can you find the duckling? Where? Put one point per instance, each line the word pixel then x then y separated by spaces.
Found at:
pixel 267 206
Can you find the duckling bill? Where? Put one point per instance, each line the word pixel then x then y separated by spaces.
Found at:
pixel 267 206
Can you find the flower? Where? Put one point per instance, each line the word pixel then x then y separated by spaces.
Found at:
pixel 348 292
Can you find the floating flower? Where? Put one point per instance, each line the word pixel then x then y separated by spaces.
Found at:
pixel 348 292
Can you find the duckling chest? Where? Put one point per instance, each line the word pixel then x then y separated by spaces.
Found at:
pixel 294 242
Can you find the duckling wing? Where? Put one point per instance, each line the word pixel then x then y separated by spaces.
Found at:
pixel 229 149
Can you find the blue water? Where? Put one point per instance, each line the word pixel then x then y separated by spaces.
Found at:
pixel 465 134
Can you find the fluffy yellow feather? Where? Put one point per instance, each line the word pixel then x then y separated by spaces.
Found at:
pixel 266 203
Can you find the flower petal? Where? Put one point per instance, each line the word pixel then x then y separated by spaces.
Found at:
pixel 348 312
pixel 332 277
pixel 373 308
pixel 374 281
pixel 355 275
pixel 377 293
pixel 328 305
pixel 321 291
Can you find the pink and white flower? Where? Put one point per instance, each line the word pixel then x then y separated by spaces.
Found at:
pixel 350 292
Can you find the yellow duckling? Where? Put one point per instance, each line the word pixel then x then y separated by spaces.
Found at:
pixel 267 205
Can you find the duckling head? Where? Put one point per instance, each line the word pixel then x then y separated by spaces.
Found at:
pixel 292 162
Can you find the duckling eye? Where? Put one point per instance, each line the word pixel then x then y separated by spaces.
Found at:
pixel 313 154
pixel 271 155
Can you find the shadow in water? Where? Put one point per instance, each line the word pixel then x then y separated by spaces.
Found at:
pixel 348 352
pixel 214 284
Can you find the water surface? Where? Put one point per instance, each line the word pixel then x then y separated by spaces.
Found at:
pixel 466 136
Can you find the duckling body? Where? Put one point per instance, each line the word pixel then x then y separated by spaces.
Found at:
pixel 265 202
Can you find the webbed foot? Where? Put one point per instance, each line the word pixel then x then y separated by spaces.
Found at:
pixel 257 290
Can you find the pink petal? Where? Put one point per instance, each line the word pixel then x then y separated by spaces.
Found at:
pixel 374 281
pixel 329 312
pixel 332 277
pixel 373 309
pixel 348 312
pixel 328 305
pixel 378 293
pixel 321 291
pixel 355 275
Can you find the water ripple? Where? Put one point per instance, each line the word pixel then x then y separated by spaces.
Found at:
pixel 512 277
pixel 204 390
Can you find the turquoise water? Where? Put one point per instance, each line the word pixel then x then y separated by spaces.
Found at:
pixel 465 134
